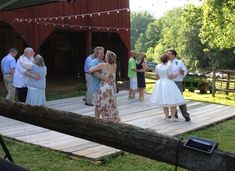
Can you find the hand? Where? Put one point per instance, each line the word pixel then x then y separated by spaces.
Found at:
pixel 181 71
pixel 109 81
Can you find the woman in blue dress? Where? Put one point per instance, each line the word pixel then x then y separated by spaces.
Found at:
pixel 36 82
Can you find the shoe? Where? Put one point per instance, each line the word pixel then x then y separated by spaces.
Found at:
pixel 88 104
pixel 166 119
pixel 141 99
pixel 84 99
pixel 187 119
pixel 174 119
pixel 134 100
pixel 130 98
pixel 176 115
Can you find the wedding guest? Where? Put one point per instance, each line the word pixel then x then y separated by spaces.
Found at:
pixel 19 78
pixel 88 98
pixel 141 66
pixel 132 76
pixel 8 65
pixel 37 82
pixel 106 103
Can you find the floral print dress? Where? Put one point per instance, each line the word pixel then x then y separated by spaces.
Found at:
pixel 107 103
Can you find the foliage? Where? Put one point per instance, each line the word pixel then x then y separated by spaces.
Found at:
pixel 218 28
pixel 182 29
pixel 139 22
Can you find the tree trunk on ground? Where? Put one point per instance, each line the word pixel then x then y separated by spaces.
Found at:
pixel 125 137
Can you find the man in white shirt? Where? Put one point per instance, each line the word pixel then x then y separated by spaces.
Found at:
pixel 178 66
pixel 20 79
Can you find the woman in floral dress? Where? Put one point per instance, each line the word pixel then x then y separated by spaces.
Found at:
pixel 106 104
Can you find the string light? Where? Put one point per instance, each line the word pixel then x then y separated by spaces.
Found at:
pixel 79 15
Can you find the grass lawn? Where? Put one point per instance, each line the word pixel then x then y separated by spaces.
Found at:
pixel 37 158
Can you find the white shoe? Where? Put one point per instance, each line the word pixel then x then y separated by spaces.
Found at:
pixel 174 119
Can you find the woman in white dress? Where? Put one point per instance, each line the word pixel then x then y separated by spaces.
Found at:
pixel 166 94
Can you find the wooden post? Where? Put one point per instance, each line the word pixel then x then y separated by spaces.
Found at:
pixel 89 42
pixel 122 136
pixel 227 84
pixel 213 81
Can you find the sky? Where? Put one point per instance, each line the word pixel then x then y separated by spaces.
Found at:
pixel 158 7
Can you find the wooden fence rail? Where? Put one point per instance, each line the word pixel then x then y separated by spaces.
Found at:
pixel 125 137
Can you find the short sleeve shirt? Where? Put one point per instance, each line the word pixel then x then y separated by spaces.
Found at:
pixel 131 68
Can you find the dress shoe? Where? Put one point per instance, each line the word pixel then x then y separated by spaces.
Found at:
pixel 88 104
pixel 187 119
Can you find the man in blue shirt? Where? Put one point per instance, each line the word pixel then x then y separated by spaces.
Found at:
pixel 88 77
pixel 8 65
pixel 95 78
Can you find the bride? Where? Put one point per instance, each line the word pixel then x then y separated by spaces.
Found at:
pixel 166 94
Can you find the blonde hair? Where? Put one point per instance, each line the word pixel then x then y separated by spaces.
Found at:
pixel 38 60
pixel 97 49
pixel 111 57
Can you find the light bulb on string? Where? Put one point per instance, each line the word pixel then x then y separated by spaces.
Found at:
pixel 117 12
pixel 39 19
pixel 90 15
pixel 83 16
pixel 108 13
pixel 45 19
pixel 107 29
pixel 98 14
pixel 117 29
pixel 76 17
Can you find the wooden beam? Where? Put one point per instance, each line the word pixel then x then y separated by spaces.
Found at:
pixel 122 136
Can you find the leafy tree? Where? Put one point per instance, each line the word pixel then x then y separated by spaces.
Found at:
pixel 139 22
pixel 218 28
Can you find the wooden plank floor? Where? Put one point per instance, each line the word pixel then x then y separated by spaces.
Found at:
pixel 142 114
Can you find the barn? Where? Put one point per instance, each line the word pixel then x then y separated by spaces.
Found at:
pixel 65 33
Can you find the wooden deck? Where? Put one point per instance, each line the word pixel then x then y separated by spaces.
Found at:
pixel 142 114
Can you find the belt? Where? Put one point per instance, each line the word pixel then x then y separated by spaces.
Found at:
pixel 6 73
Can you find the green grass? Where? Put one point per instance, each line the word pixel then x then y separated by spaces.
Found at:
pixel 36 158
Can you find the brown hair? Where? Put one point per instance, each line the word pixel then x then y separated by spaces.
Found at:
pixel 164 58
pixel 111 57
pixel 142 57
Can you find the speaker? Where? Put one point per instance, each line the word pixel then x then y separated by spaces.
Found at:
pixel 202 145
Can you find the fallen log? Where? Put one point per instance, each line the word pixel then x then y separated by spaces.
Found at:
pixel 122 136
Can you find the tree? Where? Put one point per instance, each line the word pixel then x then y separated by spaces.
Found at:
pixel 218 28
pixel 139 22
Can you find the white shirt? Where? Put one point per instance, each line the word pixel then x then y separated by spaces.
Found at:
pixel 19 79
pixel 176 65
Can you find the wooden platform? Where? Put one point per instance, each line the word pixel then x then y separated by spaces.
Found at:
pixel 142 114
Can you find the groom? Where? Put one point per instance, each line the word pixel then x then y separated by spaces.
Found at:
pixel 178 66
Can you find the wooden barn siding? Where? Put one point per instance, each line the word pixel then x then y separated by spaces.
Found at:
pixel 35 34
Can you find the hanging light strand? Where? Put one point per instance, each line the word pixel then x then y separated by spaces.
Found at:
pixel 68 17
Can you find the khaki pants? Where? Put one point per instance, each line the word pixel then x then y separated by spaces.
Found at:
pixel 88 86
pixel 8 80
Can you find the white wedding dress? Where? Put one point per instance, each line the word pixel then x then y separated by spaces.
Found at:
pixel 166 92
